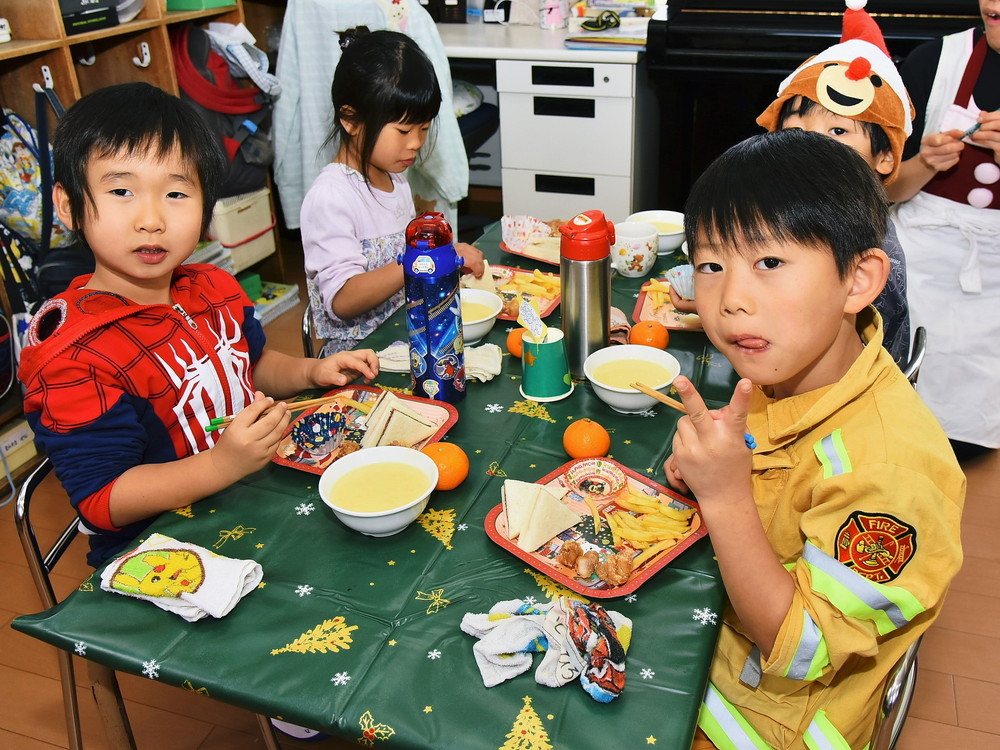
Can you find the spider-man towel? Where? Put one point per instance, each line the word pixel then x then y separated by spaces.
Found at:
pixel 111 384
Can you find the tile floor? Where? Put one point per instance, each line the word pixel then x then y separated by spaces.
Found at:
pixel 958 685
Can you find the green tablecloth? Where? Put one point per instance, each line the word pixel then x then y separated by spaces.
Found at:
pixel 360 636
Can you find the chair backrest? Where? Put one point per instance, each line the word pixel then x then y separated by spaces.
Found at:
pixel 917 352
pixel 896 699
pixel 308 344
pixel 40 563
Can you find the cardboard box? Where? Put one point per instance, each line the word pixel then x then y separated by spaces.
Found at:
pixel 17 443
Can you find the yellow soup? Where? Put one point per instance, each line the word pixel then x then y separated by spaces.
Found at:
pixel 620 372
pixel 378 487
pixel 667 227
pixel 475 310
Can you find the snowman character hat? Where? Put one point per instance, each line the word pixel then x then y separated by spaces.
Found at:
pixel 855 78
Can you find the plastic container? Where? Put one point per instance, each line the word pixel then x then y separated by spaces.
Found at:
pixel 585 273
pixel 241 217
pixel 431 270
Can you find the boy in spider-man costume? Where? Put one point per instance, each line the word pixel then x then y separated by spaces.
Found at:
pixel 125 367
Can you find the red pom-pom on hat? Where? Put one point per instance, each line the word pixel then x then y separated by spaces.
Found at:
pixel 859 25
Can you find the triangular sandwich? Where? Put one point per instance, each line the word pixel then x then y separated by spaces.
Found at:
pixel 549 517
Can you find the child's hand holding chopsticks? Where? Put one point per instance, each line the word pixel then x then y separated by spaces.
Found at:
pixel 249 441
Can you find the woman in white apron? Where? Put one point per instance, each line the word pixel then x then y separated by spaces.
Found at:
pixel 948 220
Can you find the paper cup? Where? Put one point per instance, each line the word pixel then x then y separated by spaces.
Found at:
pixel 634 251
pixel 544 368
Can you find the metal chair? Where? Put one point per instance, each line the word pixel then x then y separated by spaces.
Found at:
pixel 917 352
pixel 104 682
pixel 896 699
pixel 308 343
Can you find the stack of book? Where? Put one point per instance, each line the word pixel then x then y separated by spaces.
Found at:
pixel 274 300
pixel 213 252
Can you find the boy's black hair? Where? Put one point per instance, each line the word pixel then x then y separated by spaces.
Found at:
pixel 382 77
pixel 134 118
pixel 803 105
pixel 790 186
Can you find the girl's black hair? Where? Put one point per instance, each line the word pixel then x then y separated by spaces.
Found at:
pixel 789 186
pixel 134 118
pixel 382 77
pixel 803 105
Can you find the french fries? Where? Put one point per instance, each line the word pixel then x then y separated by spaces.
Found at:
pixel 655 529
pixel 538 284
pixel 658 292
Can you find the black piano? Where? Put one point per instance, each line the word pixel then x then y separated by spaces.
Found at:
pixel 717 64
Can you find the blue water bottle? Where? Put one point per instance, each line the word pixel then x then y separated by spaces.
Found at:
pixel 431 269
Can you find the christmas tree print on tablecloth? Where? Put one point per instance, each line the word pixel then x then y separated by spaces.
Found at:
pixel 552 589
pixel 440 524
pixel 528 732
pixel 330 635
pixel 531 409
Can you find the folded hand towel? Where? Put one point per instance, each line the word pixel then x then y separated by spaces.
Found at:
pixel 508 636
pixel 182 578
pixel 482 362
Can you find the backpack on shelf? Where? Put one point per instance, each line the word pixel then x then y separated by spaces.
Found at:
pixel 239 112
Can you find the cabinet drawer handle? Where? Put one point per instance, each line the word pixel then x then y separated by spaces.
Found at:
pixel 554 183
pixel 548 75
pixel 552 106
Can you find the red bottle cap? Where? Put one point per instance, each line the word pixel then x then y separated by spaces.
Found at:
pixel 587 236
pixel 430 227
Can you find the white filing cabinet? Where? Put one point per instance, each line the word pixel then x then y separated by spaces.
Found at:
pixel 575 137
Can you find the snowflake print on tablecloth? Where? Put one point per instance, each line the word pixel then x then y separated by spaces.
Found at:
pixel 80 648
pixel 705 616
pixel 435 654
pixel 648 413
pixel 341 678
pixel 151 669
pixel 647 673
pixel 304 509
pixel 462 527
pixel 530 601
pixel 494 408
pixel 631 598
pixel 304 590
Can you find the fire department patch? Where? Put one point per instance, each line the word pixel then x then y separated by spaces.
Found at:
pixel 876 546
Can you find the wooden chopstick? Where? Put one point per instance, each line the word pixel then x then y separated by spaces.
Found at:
pixel 675 404
pixel 671 402
pixel 218 423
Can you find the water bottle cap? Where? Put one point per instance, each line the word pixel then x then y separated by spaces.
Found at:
pixel 430 228
pixel 587 236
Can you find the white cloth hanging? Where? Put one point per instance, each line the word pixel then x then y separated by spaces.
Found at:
pixel 303 116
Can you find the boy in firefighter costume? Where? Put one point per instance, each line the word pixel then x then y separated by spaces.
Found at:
pixel 852 92
pixel 123 370
pixel 837 536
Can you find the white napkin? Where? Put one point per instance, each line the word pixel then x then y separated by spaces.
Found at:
pixel 482 362
pixel 394 358
pixel 182 578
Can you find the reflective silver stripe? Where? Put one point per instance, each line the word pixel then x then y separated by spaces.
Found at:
pixel 823 735
pixel 733 729
pixel 816 740
pixel 858 585
pixel 806 650
pixel 832 453
pixel 752 671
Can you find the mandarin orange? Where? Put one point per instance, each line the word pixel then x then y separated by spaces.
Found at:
pixel 452 464
pixel 649 333
pixel 586 438
pixel 515 342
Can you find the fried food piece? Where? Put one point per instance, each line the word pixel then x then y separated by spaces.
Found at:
pixel 585 564
pixel 569 553
pixel 615 570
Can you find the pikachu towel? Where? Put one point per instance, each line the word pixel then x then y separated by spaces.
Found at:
pixel 182 578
